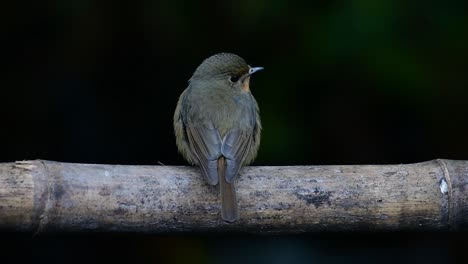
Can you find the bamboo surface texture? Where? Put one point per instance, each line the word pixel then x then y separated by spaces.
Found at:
pixel 45 196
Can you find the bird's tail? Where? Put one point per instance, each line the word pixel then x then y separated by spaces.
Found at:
pixel 229 209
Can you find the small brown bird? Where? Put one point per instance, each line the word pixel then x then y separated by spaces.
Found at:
pixel 217 125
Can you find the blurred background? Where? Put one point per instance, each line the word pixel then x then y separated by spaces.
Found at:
pixel 345 82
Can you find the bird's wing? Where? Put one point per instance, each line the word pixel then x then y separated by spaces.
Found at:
pixel 235 148
pixel 205 143
pixel 240 146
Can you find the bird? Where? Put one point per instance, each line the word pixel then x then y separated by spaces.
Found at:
pixel 217 124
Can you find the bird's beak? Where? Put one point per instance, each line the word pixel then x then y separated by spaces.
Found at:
pixel 253 70
pixel 246 78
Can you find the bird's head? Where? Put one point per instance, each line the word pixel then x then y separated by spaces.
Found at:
pixel 227 68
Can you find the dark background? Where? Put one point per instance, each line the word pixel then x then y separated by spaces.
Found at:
pixel 345 82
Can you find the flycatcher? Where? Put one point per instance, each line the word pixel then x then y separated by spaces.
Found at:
pixel 217 124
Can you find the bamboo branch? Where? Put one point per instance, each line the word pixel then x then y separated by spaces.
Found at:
pixel 46 196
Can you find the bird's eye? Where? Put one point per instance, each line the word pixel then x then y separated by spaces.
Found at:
pixel 234 79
